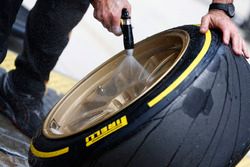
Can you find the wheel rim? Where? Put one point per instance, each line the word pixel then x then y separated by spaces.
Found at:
pixel 107 90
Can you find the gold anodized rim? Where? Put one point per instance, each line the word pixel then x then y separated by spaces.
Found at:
pixel 82 87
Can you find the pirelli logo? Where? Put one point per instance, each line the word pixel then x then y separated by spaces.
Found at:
pixel 106 130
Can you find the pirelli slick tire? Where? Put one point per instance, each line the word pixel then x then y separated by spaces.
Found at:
pixel 195 111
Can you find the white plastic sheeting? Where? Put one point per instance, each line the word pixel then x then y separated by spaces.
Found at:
pixel 14 146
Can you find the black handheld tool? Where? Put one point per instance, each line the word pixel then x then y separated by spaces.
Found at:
pixel 128 39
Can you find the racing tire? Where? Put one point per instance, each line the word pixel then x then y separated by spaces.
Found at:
pixel 196 116
pixel 16 38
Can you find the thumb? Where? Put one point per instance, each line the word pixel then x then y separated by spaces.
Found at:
pixel 204 24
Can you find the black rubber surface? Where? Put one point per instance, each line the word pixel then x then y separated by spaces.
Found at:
pixel 16 39
pixel 18 29
pixel 204 122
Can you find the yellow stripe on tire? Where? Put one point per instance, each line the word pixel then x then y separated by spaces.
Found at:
pixel 41 154
pixel 180 79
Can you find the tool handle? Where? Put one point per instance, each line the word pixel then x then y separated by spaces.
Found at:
pixel 128 39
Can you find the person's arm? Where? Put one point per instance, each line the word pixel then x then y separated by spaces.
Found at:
pixel 108 12
pixel 218 19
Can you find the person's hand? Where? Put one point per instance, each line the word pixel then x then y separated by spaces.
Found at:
pixel 108 12
pixel 218 19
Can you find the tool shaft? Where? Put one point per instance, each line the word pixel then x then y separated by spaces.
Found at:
pixel 128 39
